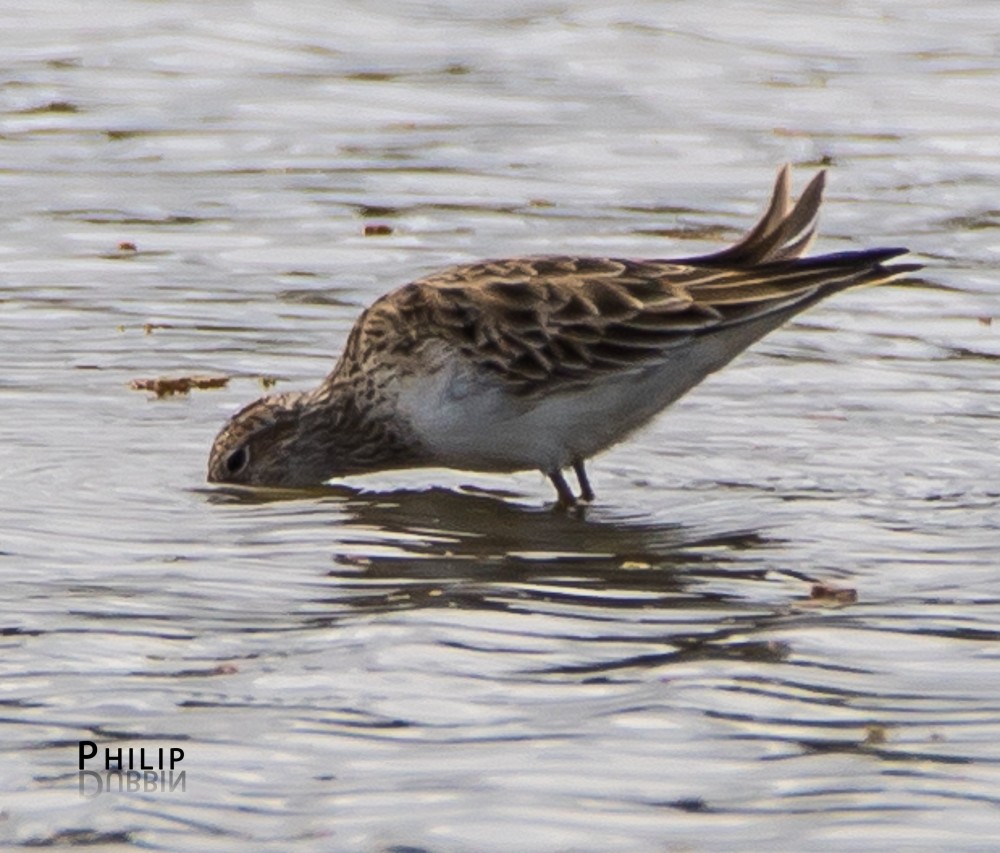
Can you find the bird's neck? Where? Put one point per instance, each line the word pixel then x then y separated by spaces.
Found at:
pixel 359 435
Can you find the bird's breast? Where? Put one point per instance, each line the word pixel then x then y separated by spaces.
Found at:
pixel 469 419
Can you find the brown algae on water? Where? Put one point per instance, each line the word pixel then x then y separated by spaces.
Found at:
pixel 169 386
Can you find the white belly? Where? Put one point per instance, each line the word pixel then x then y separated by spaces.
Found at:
pixel 469 421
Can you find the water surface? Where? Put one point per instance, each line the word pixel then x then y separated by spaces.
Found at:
pixel 434 660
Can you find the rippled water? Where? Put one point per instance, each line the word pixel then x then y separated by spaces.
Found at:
pixel 434 661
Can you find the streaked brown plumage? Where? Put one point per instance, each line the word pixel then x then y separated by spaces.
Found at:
pixel 537 362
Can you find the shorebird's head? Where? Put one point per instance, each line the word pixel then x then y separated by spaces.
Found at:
pixel 267 444
pixel 303 439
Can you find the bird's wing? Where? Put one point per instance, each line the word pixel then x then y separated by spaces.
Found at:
pixel 539 323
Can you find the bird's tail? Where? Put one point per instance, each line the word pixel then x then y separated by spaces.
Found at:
pixel 784 231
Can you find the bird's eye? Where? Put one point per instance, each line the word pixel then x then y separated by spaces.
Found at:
pixel 237 460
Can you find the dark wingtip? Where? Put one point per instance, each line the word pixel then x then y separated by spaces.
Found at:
pixel 859 258
pixel 887 253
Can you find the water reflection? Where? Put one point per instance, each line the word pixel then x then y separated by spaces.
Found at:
pixel 439 534
pixel 605 577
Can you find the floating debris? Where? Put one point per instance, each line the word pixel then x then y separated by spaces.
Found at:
pixel 124 250
pixel 875 734
pixel 377 230
pixel 824 593
pixel 169 386
pixel 51 107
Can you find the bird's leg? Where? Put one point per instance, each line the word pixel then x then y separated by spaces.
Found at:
pixel 566 497
pixel 586 492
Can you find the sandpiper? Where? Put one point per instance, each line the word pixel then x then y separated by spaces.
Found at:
pixel 537 362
